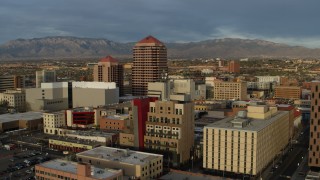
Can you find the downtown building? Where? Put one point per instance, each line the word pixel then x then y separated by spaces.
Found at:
pixel 314 143
pixel 230 90
pixel 15 100
pixel 149 64
pixel 234 67
pixel 170 129
pixel 287 92
pixel 11 82
pixel 45 76
pixel 66 95
pixel 108 69
pixel 247 143
pixel 62 169
pixel 134 164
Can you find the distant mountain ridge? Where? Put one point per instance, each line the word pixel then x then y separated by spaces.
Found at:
pixel 73 47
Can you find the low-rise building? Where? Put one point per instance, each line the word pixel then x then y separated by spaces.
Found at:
pixel 287 92
pixel 230 90
pixel 15 99
pixel 135 164
pixel 72 144
pixel 62 169
pixel 53 121
pixel 27 120
pixel 115 122
pixel 83 117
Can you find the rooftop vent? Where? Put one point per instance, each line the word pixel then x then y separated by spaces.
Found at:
pixel 100 172
pixel 63 164
pixel 239 122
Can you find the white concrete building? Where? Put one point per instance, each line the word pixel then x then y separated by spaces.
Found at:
pixel 53 121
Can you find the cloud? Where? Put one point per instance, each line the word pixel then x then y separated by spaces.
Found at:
pixel 293 22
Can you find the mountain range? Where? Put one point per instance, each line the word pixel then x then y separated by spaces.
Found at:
pixel 74 47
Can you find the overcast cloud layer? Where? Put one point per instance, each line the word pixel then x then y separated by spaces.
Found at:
pixel 294 22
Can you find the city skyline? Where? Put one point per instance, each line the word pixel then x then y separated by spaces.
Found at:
pixel 289 22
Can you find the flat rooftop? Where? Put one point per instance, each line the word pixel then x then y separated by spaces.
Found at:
pixel 20 116
pixel 117 117
pixel 121 155
pixel 76 140
pixel 254 125
pixel 91 133
pixel 203 121
pixel 71 167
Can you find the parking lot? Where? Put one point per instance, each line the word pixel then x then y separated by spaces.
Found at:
pixel 19 163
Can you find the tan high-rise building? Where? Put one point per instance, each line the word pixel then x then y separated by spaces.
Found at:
pixel 230 90
pixel 248 143
pixel 170 130
pixel 149 64
pixel 109 70
pixel 314 149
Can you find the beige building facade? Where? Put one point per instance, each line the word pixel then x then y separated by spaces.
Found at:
pixel 230 90
pixel 53 121
pixel 243 145
pixel 15 99
pixel 170 128
pixel 314 142
pixel 109 70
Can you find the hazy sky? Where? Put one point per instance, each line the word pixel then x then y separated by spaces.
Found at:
pixel 294 22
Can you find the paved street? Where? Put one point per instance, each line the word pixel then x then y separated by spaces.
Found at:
pixel 293 161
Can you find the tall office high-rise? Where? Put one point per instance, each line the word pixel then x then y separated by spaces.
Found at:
pixel 45 76
pixel 314 149
pixel 149 64
pixel 109 70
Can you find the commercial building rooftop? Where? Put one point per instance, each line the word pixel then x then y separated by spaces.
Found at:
pixel 118 117
pixel 20 116
pixel 91 133
pixel 71 167
pixel 253 125
pixel 121 155
pixel 76 140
